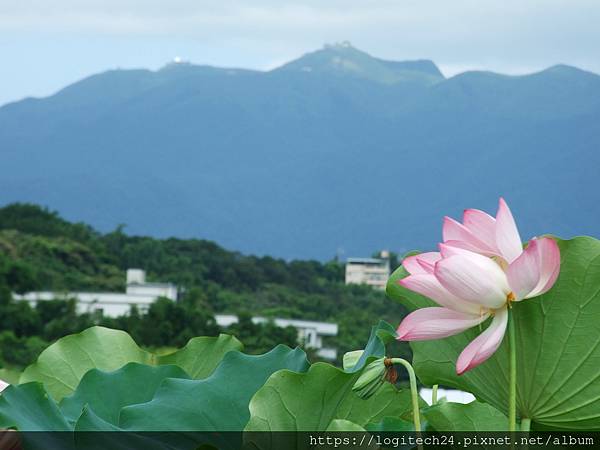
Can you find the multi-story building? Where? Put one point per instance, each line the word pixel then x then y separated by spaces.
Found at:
pixel 370 271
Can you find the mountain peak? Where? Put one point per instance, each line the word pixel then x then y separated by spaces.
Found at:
pixel 567 70
pixel 343 59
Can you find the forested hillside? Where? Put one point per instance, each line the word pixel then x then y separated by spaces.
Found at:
pixel 40 250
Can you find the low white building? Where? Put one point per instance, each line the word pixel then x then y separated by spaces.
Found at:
pixel 370 271
pixel 310 333
pixel 137 293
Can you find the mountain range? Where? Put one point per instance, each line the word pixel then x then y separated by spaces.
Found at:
pixel 335 152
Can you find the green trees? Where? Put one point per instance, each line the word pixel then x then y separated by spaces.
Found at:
pixel 172 324
pixel 20 351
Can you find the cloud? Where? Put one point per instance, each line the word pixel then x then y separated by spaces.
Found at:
pixel 459 17
pixel 507 35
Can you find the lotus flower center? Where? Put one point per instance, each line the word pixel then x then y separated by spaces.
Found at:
pixel 511 297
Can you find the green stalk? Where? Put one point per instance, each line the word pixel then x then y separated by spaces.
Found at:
pixel 525 424
pixel 512 367
pixel 413 391
pixel 434 394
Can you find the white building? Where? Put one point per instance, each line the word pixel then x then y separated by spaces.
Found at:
pixel 371 271
pixel 112 304
pixel 309 333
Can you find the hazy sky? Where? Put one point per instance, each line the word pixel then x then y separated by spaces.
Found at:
pixel 45 45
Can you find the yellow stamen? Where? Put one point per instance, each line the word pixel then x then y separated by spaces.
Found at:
pixel 511 297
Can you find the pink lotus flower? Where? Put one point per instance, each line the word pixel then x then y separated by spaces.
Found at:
pixel 3 385
pixel 481 233
pixel 472 287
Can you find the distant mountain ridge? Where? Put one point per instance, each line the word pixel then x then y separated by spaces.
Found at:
pixel 337 151
pixel 343 59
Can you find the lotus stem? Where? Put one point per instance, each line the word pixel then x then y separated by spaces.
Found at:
pixel 434 394
pixel 512 368
pixel 525 424
pixel 413 390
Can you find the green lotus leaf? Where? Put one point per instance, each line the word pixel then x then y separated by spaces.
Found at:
pixel 217 403
pixel 201 355
pixel 27 407
pixel 63 364
pixel 106 393
pixel 311 401
pixel 474 416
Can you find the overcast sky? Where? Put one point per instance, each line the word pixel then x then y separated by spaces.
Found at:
pixel 45 45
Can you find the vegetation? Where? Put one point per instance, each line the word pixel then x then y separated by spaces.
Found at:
pixel 41 251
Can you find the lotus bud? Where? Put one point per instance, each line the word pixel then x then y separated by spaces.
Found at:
pixel 351 358
pixel 371 379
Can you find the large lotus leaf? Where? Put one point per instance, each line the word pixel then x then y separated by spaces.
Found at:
pixel 558 347
pixel 310 401
pixel 106 393
pixel 201 354
pixel 381 334
pixel 474 416
pixel 63 364
pixel 217 403
pixel 27 407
